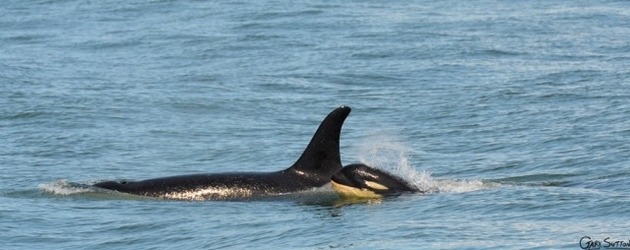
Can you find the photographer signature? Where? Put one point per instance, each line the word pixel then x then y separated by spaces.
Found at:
pixel 587 242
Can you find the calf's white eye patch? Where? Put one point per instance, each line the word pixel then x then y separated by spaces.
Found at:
pixel 375 185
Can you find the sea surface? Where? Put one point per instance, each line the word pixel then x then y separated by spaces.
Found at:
pixel 514 115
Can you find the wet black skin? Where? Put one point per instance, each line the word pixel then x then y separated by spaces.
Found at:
pixel 356 175
pixel 315 167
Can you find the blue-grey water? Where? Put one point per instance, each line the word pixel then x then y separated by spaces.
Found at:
pixel 514 114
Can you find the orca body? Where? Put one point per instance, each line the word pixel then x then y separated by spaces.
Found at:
pixel 315 167
pixel 362 181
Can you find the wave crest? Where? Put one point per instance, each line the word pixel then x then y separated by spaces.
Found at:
pixel 63 187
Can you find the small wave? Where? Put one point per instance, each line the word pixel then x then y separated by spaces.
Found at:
pixel 63 187
pixel 462 186
pixel 391 155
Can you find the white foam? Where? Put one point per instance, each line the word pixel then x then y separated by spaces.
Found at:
pixel 62 187
pixel 461 186
pixel 386 153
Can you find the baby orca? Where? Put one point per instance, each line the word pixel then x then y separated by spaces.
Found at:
pixel 361 181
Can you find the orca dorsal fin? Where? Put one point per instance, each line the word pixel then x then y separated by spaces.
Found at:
pixel 321 158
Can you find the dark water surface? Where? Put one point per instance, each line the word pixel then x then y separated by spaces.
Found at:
pixel 515 114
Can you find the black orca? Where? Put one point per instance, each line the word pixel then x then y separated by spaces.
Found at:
pixel 315 167
pixel 362 181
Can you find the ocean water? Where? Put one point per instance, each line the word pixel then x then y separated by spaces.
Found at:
pixel 514 114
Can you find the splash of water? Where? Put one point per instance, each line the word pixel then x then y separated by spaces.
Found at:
pixel 63 187
pixel 389 154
